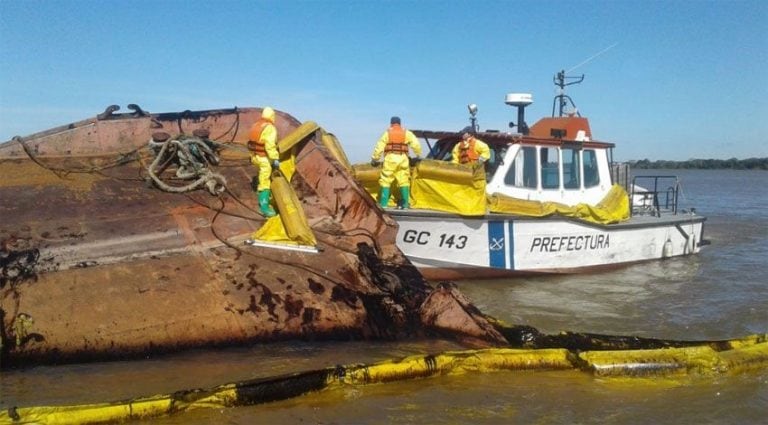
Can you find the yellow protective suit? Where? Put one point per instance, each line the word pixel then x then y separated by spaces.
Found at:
pixel 268 139
pixel 481 150
pixel 396 165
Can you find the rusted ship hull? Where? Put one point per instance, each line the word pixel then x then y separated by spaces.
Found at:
pixel 97 263
pixel 112 132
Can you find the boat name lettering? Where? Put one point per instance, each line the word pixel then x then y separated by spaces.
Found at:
pixel 570 243
pixel 445 239
pixel 411 236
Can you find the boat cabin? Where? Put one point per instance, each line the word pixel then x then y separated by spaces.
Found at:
pixel 556 161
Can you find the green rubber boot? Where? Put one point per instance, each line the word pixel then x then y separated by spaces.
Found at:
pixel 405 195
pixel 266 209
pixel 384 197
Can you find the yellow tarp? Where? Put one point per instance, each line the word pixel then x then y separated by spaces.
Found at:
pixel 448 187
pixel 435 185
pixel 444 186
pixel 273 231
pixel 612 209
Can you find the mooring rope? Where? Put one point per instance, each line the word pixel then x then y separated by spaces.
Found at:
pixel 193 156
pixel 63 172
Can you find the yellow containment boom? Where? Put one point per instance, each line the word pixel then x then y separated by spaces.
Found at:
pixel 297 136
pixel 708 358
pixel 448 171
pixel 291 212
pixel 334 147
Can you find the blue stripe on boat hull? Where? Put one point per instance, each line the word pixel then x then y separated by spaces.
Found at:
pixel 496 242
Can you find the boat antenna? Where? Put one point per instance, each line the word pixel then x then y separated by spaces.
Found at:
pixel 562 99
pixel 588 60
pixel 473 117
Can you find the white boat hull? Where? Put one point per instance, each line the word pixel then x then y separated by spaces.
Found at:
pixel 445 246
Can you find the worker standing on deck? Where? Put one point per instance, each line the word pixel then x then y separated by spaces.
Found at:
pixel 470 150
pixel 262 143
pixel 394 143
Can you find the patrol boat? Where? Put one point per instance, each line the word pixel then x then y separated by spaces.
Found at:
pixel 549 200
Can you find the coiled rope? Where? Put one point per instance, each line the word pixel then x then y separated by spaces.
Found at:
pixel 193 156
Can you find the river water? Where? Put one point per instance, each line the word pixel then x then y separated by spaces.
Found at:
pixel 721 293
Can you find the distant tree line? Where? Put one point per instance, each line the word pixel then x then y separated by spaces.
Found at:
pixel 706 164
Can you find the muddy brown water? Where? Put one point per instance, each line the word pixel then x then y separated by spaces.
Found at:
pixel 721 293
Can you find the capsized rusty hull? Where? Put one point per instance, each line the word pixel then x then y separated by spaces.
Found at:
pixel 96 263
pixel 115 133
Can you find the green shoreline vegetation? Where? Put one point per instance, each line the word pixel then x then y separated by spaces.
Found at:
pixel 703 164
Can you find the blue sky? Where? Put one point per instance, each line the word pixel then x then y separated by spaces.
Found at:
pixel 679 79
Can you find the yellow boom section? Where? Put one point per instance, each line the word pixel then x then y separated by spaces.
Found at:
pixel 723 357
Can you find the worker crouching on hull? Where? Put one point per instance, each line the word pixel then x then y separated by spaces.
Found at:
pixel 262 143
pixel 394 144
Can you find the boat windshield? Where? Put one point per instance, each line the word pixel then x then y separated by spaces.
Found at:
pixel 441 151
pixel 497 158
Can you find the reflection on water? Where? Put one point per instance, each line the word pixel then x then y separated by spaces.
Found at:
pixel 609 302
pixel 96 382
pixel 721 293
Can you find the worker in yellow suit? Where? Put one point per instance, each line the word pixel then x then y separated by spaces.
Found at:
pixel 262 142
pixel 394 144
pixel 470 150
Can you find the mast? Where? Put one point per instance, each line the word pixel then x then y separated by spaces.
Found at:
pixel 562 99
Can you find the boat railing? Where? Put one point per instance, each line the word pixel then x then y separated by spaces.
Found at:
pixel 654 195
pixel 620 174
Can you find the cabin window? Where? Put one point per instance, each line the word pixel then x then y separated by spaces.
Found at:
pixel 550 168
pixel 522 171
pixel 571 168
pixel 591 176
pixel 497 153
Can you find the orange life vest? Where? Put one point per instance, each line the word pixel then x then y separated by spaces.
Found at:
pixel 254 139
pixel 467 154
pixel 396 143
